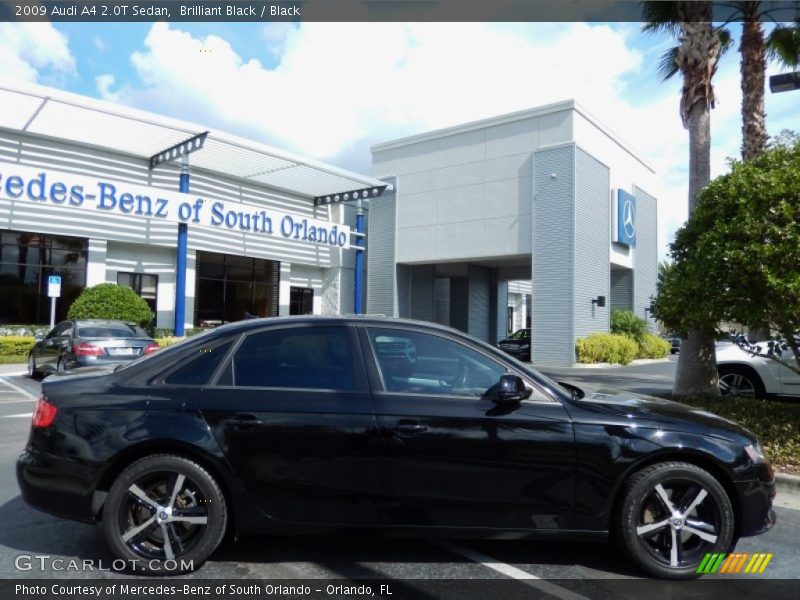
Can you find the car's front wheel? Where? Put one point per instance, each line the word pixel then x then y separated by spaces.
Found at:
pixel 164 514
pixel 672 515
pixel 33 372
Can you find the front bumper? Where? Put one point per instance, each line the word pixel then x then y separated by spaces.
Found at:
pixel 757 514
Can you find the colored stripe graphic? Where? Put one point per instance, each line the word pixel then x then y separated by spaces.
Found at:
pixel 734 562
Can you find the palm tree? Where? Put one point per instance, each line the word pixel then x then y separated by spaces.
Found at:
pixel 696 58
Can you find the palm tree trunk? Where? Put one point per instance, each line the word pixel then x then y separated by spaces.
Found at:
pixel 699 52
pixel 753 49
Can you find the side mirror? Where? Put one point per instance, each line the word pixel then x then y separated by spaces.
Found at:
pixel 511 389
pixel 38 337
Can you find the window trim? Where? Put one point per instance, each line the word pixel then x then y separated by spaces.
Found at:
pixel 375 367
pixel 161 379
pixel 360 378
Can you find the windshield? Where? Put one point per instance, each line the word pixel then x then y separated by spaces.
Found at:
pixel 522 334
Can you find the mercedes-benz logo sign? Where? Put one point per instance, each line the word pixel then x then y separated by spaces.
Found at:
pixel 629 219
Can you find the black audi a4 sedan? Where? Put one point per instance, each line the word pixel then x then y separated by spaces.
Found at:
pixel 334 424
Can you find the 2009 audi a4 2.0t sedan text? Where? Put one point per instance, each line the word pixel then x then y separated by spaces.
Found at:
pixel 332 424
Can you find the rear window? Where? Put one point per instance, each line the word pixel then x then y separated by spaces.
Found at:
pixel 200 368
pixel 126 331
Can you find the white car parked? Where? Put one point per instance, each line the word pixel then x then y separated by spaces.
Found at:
pixel 743 374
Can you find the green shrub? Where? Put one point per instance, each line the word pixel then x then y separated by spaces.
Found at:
pixel 168 340
pixel 111 301
pixel 624 322
pixel 15 345
pixel 163 332
pixel 606 347
pixel 777 424
pixel 652 346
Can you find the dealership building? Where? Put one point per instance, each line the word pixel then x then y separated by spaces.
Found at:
pixel 87 193
pixel 542 218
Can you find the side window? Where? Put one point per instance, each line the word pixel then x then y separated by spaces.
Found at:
pixel 297 357
pixel 422 363
pixel 198 369
pixel 60 330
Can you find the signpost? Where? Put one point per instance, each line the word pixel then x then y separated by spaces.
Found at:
pixel 53 292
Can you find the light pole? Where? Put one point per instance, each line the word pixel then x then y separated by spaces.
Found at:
pixel 182 151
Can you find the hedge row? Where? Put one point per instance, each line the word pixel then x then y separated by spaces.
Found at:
pixel 777 424
pixel 15 345
pixel 619 349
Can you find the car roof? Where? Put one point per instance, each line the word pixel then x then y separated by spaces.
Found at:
pixel 107 322
pixel 377 320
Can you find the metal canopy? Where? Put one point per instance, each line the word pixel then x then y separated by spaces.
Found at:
pixel 58 114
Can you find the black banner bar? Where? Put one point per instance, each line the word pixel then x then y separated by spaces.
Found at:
pixel 63 11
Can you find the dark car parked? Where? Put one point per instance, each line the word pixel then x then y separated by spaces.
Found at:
pixel 87 343
pixel 330 424
pixel 518 345
pixel 674 344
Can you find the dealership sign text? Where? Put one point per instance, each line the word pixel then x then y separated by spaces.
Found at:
pixel 112 197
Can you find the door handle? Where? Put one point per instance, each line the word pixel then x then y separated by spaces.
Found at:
pixel 245 422
pixel 408 429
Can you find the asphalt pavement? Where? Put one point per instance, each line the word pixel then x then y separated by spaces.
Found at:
pixel 25 532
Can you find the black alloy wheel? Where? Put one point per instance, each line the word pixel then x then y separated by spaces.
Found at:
pixel 672 515
pixel 164 515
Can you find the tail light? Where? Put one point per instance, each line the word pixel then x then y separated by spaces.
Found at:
pixel 151 348
pixel 44 415
pixel 87 349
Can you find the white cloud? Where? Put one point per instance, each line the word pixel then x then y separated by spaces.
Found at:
pixel 337 88
pixel 28 48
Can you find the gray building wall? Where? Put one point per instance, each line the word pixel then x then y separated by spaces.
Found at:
pixel 552 321
pixel 592 232
pixel 645 256
pixel 382 285
pixel 621 289
pixel 480 302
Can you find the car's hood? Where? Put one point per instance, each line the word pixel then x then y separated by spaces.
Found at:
pixel 643 410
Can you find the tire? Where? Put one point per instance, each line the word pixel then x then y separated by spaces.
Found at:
pixel 149 483
pixel 60 366
pixel 33 372
pixel 646 527
pixel 741 382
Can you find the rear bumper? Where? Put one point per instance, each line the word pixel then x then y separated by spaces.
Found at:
pixel 49 484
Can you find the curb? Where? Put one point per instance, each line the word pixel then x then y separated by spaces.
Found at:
pixel 633 363
pixel 787 483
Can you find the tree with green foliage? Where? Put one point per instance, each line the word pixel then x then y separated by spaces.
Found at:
pixel 738 256
pixel 111 301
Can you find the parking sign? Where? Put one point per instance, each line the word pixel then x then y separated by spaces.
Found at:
pixel 54 286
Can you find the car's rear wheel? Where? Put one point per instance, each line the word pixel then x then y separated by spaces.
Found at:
pixel 164 514
pixel 672 515
pixel 61 365
pixel 33 372
pixel 739 382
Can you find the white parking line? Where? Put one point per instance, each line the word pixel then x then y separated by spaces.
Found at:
pixel 513 572
pixel 18 389
pixel 17 416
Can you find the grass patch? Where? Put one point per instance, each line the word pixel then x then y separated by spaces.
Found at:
pixel 776 423
pixel 13 359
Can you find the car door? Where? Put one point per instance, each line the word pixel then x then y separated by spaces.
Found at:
pixel 790 378
pixel 294 416
pixel 450 455
pixel 56 342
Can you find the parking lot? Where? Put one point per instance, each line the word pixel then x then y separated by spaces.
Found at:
pixel 24 531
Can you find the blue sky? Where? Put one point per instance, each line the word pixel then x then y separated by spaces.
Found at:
pixel 331 90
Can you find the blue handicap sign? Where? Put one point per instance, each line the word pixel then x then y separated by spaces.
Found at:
pixel 54 280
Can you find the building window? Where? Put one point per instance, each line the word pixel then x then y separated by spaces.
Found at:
pixel 26 261
pixel 144 285
pixel 232 288
pixel 301 301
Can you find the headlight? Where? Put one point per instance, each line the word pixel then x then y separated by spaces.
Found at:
pixel 756 453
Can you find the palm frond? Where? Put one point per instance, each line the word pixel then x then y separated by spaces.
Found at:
pixel 668 66
pixel 783 45
pixel 660 17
